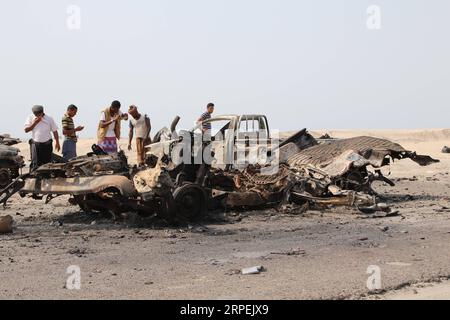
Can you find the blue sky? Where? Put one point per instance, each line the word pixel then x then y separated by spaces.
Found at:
pixel 311 64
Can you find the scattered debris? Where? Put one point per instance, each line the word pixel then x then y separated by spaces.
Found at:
pixel 375 215
pixel 233 272
pixel 253 270
pixel 6 224
pixel 292 252
pixel 169 235
pixel 56 223
pixel 216 262
pixel 79 252
pixel 326 136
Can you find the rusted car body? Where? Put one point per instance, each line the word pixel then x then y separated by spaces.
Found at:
pixel 79 186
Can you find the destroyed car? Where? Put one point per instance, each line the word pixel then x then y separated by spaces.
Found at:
pixel 250 168
pixel 11 162
pixel 239 165
pixel 106 183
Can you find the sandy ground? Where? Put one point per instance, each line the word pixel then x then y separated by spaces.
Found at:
pixel 314 255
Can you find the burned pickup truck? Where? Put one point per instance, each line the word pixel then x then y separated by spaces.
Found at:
pixel 239 164
pixel 242 165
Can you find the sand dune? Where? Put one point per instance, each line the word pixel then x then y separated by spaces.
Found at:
pixel 428 135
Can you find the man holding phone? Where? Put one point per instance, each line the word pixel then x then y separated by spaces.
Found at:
pixel 109 128
pixel 69 149
pixel 42 127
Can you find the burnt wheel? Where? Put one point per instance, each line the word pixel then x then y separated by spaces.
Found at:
pixel 81 201
pixel 190 202
pixel 107 201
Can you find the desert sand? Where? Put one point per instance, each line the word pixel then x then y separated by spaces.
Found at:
pixel 312 255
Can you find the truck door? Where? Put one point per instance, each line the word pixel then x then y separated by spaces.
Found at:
pixel 252 140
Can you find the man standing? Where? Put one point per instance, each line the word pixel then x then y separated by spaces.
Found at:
pixel 108 132
pixel 69 149
pixel 206 128
pixel 41 127
pixel 142 125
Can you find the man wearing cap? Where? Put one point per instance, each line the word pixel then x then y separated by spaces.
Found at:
pixel 42 127
pixel 139 123
pixel 69 149
pixel 109 128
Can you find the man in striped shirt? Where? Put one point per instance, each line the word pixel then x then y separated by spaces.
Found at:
pixel 69 149
pixel 206 127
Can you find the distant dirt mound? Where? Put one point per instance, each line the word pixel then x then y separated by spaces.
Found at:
pixel 416 135
pixel 428 135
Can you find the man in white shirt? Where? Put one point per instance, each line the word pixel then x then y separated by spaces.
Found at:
pixel 42 127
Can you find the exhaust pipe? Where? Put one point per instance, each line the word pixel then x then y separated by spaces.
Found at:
pixel 173 126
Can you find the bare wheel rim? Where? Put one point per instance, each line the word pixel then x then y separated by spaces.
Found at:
pixel 190 202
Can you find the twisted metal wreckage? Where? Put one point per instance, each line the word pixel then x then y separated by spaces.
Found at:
pixel 176 186
pixel 11 162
